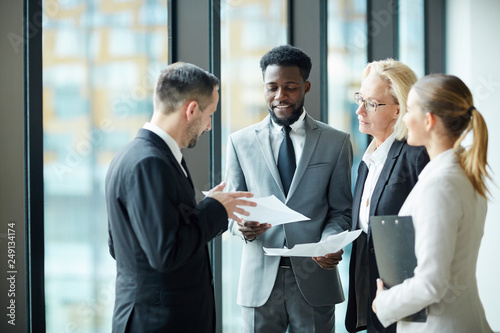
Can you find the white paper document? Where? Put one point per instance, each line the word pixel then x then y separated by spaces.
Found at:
pixel 271 210
pixel 332 244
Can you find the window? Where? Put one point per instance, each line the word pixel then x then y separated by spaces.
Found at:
pixel 100 61
pixel 411 35
pixel 347 56
pixel 248 30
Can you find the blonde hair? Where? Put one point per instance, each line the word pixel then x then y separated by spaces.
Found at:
pixel 400 79
pixel 447 97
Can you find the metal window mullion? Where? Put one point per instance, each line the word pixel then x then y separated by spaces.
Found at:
pixel 34 193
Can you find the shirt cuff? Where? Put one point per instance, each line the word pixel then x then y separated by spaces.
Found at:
pixel 249 240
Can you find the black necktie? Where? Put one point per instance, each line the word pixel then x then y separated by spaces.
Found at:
pixel 184 165
pixel 286 160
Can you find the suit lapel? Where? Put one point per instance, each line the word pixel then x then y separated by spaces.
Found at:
pixel 358 193
pixel 392 157
pixel 262 134
pixel 163 147
pixel 312 136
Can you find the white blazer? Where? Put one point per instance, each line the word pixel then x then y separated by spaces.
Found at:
pixel 448 215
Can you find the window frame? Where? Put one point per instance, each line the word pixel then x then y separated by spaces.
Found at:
pixel 186 43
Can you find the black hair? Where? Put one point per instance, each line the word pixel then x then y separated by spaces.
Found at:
pixel 287 55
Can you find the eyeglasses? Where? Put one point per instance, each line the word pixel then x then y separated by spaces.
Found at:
pixel 369 105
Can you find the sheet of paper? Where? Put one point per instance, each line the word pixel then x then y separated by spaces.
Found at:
pixel 271 210
pixel 332 244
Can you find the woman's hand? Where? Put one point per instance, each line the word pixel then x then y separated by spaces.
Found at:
pixel 380 288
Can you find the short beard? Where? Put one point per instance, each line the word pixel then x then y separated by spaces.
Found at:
pixel 192 132
pixel 193 142
pixel 290 120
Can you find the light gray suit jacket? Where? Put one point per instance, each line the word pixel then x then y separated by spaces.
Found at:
pixel 321 190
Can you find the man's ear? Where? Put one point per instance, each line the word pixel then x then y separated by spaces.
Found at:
pixel 307 87
pixel 190 109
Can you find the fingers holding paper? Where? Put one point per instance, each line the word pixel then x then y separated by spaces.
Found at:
pixel 252 229
pixel 232 201
pixel 330 260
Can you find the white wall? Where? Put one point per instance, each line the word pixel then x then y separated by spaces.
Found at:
pixel 473 52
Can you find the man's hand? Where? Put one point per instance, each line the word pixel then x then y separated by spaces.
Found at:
pixel 329 261
pixel 251 229
pixel 231 201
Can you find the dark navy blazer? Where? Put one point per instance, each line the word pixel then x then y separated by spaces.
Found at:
pixel 158 235
pixel 398 176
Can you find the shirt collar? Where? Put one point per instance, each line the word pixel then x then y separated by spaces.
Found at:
pixel 171 143
pixel 441 161
pixel 296 125
pixel 374 155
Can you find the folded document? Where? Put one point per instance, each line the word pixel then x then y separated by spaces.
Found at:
pixel 332 244
pixel 271 210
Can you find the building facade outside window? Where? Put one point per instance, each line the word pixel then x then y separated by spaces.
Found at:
pixel 347 56
pixel 248 30
pixel 411 35
pixel 100 61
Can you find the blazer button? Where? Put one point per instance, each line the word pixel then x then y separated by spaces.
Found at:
pixel 372 250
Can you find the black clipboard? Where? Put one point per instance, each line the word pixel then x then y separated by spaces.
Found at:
pixel 394 243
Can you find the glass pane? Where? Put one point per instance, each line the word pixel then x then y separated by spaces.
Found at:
pixel 347 56
pixel 248 30
pixel 100 60
pixel 411 35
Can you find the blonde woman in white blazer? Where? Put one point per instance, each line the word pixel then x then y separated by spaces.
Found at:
pixel 448 206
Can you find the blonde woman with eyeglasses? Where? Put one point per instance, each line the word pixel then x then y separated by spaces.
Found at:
pixel 387 174
pixel 448 206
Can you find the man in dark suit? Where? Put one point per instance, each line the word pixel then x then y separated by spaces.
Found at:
pixel 158 234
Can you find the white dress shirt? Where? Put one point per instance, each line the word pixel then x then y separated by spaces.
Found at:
pixel 171 143
pixel 448 216
pixel 297 135
pixel 374 159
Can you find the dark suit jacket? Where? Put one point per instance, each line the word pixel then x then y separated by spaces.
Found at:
pixel 158 236
pixel 398 176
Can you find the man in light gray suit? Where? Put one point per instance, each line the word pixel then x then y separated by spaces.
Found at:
pixel 307 165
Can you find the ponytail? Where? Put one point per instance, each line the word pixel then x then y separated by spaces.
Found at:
pixel 474 159
pixel 447 97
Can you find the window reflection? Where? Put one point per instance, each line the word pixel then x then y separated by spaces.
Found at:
pixel 347 56
pixel 411 35
pixel 248 30
pixel 100 60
